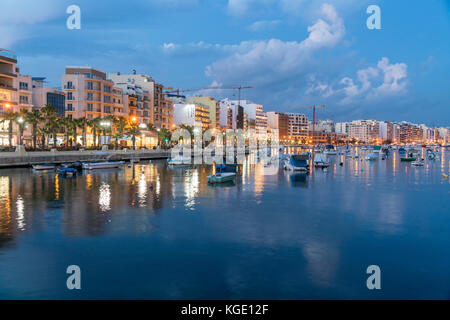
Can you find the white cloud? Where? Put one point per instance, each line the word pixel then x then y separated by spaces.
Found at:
pixel 242 7
pixel 371 84
pixel 265 62
pixel 264 25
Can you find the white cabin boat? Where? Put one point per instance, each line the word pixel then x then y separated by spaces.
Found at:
pixel 102 165
pixel 44 167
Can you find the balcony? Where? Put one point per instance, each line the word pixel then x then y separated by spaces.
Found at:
pixel 67 87
pixel 8 74
pixel 7 87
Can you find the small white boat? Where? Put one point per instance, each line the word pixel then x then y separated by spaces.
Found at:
pixel 102 165
pixel 372 157
pixel 221 177
pixel 44 167
pixel 321 161
pixel 179 162
pixel 418 163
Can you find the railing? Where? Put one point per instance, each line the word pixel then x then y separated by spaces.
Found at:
pixel 69 87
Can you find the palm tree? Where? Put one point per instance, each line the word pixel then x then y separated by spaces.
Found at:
pixel 21 123
pixel 34 118
pixel 10 117
pixel 133 130
pixel 51 122
pixel 164 136
pixel 69 127
pixel 120 124
pixel 95 125
pixel 82 124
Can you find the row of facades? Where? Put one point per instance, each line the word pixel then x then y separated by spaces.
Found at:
pixel 87 92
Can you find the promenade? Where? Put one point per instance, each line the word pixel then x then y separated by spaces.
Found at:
pixel 25 159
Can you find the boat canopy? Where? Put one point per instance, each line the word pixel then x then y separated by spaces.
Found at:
pixel 299 160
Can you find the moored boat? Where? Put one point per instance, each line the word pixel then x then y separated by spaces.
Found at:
pixel 102 165
pixel 179 162
pixel 372 156
pixel 67 171
pixel 44 167
pixel 221 177
pixel 298 162
pixel 321 161
pixel 418 163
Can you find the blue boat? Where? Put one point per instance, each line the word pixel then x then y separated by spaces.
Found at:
pixel 226 167
pixel 298 162
pixel 67 171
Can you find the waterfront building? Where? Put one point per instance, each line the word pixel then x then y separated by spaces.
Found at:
pixel 42 96
pixel 164 110
pixel 322 125
pixel 386 131
pixel 410 133
pixel 233 116
pixel 280 122
pixel 341 127
pixel 8 92
pixel 298 127
pixel 25 85
pixel 213 106
pixel 88 93
pixel 366 131
pixel 194 115
pixel 254 112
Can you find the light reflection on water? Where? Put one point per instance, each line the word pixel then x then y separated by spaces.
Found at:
pixel 164 233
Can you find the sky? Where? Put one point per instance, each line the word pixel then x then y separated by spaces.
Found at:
pixel 293 52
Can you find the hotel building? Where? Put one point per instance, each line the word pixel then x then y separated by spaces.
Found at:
pixel 89 93
pixel 279 121
pixel 194 115
pixel 43 96
pixel 298 126
pixel 213 106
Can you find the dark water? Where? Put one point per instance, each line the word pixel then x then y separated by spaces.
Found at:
pixel 150 232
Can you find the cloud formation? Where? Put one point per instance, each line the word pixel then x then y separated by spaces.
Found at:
pixel 370 85
pixel 263 63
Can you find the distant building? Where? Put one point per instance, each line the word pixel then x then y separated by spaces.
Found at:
pixel 88 93
pixel 298 126
pixel 280 122
pixel 341 127
pixel 367 131
pixel 43 96
pixel 213 106
pixel 386 131
pixel 194 115
pixel 233 116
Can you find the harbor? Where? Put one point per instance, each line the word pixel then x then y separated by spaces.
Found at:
pixel 159 230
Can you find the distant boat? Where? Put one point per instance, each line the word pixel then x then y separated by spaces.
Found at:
pixel 376 149
pixel 321 161
pixel 44 167
pixel 372 156
pixel 226 167
pixel 78 165
pixel 179 162
pixel 298 162
pixel 67 171
pixel 408 158
pixel 102 165
pixel 330 150
pixel 221 177
pixel 418 163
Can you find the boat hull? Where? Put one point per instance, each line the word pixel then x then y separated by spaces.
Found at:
pixel 221 178
pixel 102 165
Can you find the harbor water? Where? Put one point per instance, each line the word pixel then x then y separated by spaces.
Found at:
pixel 153 232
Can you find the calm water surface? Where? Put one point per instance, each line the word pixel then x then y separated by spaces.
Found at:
pixel 150 232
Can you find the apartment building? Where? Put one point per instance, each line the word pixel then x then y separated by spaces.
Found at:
pixel 42 96
pixel 8 91
pixel 139 94
pixel 194 115
pixel 364 130
pixel 25 93
pixel 298 126
pixel 386 131
pixel 255 115
pixel 163 110
pixel 233 116
pixel 88 93
pixel 214 109
pixel 279 121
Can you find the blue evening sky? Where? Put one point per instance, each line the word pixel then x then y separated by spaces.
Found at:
pixel 294 52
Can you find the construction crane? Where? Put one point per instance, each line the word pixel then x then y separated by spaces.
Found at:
pixel 239 88
pixel 314 114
